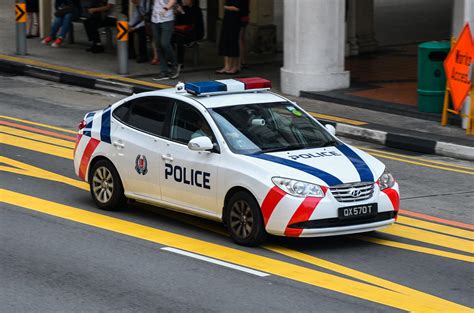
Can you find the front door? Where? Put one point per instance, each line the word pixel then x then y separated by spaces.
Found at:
pixel 189 178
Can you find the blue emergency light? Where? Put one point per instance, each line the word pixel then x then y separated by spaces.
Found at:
pixel 198 88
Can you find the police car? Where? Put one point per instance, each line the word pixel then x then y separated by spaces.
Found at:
pixel 233 151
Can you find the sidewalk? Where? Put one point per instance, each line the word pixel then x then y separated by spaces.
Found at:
pixel 384 124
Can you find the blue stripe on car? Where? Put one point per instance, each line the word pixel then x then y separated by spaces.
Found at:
pixel 364 171
pixel 105 126
pixel 326 177
pixel 88 128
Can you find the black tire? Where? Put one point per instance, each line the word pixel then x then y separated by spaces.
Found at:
pixel 106 186
pixel 244 220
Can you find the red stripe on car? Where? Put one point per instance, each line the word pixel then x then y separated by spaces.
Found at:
pixel 394 197
pixel 303 214
pixel 86 157
pixel 270 202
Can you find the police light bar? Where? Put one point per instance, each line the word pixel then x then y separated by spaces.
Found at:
pixel 215 87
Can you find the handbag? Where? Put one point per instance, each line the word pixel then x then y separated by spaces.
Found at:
pixel 63 10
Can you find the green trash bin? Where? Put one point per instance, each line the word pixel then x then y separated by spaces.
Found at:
pixel 431 77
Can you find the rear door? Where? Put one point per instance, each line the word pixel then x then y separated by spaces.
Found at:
pixel 137 140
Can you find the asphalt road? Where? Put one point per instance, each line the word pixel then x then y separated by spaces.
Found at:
pixel 58 252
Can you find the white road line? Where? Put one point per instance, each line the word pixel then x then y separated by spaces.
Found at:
pixel 222 263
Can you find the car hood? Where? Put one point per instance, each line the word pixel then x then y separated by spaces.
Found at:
pixel 328 166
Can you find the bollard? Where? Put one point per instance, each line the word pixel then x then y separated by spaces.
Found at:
pixel 122 44
pixel 20 18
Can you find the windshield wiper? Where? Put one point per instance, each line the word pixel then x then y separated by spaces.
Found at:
pixel 330 143
pixel 279 149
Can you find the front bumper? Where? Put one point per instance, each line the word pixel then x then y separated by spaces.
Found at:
pixel 344 230
pixel 298 217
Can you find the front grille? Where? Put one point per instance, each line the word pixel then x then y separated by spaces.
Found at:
pixel 353 192
pixel 336 222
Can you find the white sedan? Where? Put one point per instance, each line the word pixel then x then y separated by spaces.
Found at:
pixel 233 151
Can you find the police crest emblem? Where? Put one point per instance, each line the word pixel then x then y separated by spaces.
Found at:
pixel 141 165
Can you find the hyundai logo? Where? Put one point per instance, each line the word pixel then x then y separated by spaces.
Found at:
pixel 355 193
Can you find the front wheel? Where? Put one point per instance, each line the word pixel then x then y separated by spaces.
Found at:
pixel 244 220
pixel 106 186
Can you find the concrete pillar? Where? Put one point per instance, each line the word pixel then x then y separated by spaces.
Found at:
pixel 463 12
pixel 45 17
pixel 365 26
pixel 314 36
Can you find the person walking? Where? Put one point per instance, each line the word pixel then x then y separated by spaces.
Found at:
pixel 229 38
pixel 162 21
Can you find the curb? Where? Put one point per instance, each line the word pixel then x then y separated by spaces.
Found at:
pixel 404 142
pixel 387 139
pixel 71 78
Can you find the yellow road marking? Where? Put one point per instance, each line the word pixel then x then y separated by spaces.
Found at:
pixel 336 118
pixel 405 246
pixel 36 146
pixel 26 169
pixel 30 170
pixel 422 164
pixel 38 137
pixel 426 303
pixel 82 72
pixel 430 237
pixel 38 124
pixel 204 224
pixel 348 272
pixel 417 158
pixel 449 230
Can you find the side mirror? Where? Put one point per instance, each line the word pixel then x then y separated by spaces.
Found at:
pixel 331 129
pixel 202 143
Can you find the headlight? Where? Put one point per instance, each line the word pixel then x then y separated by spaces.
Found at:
pixel 386 180
pixel 298 188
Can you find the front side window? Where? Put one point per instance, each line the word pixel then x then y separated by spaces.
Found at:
pixel 188 123
pixel 146 114
pixel 269 127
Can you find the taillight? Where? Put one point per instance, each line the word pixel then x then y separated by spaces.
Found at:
pixel 81 125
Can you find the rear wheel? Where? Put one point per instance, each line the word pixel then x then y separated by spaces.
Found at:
pixel 106 186
pixel 244 220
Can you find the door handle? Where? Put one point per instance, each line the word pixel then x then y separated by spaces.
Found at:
pixel 167 157
pixel 118 144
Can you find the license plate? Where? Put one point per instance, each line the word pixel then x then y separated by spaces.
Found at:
pixel 365 210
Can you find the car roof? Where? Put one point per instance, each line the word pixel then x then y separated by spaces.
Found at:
pixel 222 100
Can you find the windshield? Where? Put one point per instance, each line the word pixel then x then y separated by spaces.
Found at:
pixel 269 127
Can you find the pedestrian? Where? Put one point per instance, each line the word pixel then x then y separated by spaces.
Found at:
pixel 189 27
pixel 63 16
pixel 32 9
pixel 100 14
pixel 229 38
pixel 137 26
pixel 244 21
pixel 162 19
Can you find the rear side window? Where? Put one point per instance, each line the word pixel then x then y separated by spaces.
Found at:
pixel 147 114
